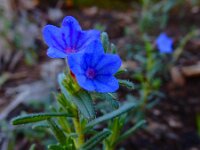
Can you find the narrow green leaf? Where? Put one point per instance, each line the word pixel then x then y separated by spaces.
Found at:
pixel 131 131
pixel 3 78
pixel 96 139
pixel 30 118
pixel 121 71
pixel 40 126
pixel 111 99
pixel 113 48
pixel 32 147
pixel 55 147
pixel 127 84
pixel 84 103
pixel 73 135
pixel 113 102
pixel 125 108
pixel 66 105
pixel 105 41
pixel 178 51
pixel 58 133
pixel 61 77
pixel 70 144
pixel 198 123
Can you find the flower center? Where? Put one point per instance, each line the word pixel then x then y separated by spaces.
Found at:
pixel 70 50
pixel 90 73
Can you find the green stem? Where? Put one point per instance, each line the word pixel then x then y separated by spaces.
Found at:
pixel 64 124
pixel 109 147
pixel 144 96
pixel 116 130
pixel 79 131
pixel 184 41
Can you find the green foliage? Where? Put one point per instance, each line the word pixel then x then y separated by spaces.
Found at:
pixel 37 117
pixel 72 122
pixel 179 50
pixel 147 76
pixel 55 147
pixel 155 14
pixel 100 27
pixel 121 71
pixel 113 48
pixel 64 91
pixel 130 131
pixel 198 123
pixel 110 98
pixel 40 126
pixel 123 109
pixel 59 134
pixel 3 78
pixel 70 145
pixel 107 45
pixel 32 147
pixel 92 142
pixel 84 102
pixel 115 126
pixel 105 41
pixel 151 64
pixel 127 84
pixel 80 98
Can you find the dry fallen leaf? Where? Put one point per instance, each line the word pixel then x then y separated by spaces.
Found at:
pixel 177 76
pixel 190 71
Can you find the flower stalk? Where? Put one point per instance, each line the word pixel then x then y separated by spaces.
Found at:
pixel 78 128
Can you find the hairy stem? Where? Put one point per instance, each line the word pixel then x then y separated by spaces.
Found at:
pixel 78 128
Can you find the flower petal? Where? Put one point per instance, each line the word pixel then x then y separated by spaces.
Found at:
pixel 165 49
pixel 164 43
pixel 95 47
pixel 106 84
pixel 53 37
pixel 93 54
pixel 109 64
pixel 86 37
pixel 69 20
pixel 55 53
pixel 85 83
pixel 72 31
pixel 74 61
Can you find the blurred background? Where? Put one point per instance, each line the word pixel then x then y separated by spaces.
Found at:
pixel 28 76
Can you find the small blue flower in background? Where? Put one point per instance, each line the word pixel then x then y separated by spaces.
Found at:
pixel 94 70
pixel 164 43
pixel 68 39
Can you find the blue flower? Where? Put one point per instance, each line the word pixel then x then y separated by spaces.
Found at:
pixel 164 43
pixel 68 39
pixel 94 70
